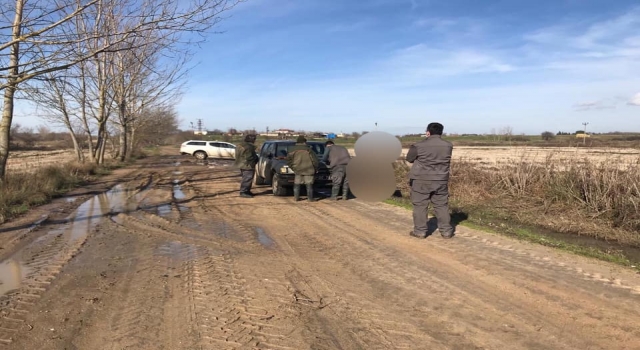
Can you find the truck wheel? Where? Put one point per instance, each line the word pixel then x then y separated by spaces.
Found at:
pixel 276 188
pixel 200 155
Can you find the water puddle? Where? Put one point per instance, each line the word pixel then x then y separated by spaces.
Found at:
pixel 164 210
pixel 178 193
pixel 15 270
pixel 70 199
pixel 177 172
pixel 264 238
pixel 12 273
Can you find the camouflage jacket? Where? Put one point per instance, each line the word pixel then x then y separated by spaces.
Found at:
pixel 246 156
pixel 302 160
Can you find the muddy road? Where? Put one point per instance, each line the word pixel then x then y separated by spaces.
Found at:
pixel 171 258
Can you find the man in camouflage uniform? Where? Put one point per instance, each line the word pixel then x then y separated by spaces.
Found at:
pixel 246 160
pixel 304 163
pixel 337 157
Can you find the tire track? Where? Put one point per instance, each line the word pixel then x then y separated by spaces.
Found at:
pixel 373 266
pixel 44 259
pixel 526 259
pixel 224 311
pixel 374 333
pixel 536 287
pixel 137 323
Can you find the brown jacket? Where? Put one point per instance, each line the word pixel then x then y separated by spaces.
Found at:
pixel 302 160
pixel 431 159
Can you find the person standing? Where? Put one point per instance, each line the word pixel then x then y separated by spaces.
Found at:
pixel 429 181
pixel 337 157
pixel 304 163
pixel 246 160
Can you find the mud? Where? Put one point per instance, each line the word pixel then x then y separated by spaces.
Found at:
pixel 193 266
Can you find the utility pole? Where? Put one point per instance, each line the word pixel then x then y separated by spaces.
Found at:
pixel 584 138
pixel 200 126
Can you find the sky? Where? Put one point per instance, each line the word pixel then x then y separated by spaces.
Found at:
pixel 474 66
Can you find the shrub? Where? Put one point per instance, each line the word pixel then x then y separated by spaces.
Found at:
pixel 19 191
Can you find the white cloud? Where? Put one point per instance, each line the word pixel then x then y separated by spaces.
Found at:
pixel 617 37
pixel 635 100
pixel 593 105
pixel 421 61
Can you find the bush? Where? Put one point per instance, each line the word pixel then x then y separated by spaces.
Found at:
pixel 20 191
pixel 548 136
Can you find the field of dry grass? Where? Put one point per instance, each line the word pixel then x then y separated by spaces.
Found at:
pixel 30 161
pixel 587 192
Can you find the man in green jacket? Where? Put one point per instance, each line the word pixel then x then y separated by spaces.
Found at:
pixel 246 160
pixel 304 163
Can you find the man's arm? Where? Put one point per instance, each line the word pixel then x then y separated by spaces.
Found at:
pixel 290 159
pixel 325 156
pixel 412 154
pixel 314 160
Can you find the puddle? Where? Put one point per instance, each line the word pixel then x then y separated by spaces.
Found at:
pixel 177 172
pixel 71 199
pixel 164 210
pixel 15 269
pixel 264 238
pixel 177 192
pixel 12 273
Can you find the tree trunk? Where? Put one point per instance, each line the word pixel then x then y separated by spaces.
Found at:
pixel 76 147
pixel 9 92
pixel 132 143
pixel 122 151
pixel 85 117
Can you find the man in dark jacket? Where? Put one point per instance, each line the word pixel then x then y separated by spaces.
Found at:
pixel 246 160
pixel 429 181
pixel 304 163
pixel 337 157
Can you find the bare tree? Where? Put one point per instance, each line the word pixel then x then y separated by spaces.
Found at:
pixel 55 35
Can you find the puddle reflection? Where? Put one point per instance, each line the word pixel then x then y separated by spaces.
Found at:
pixel 14 270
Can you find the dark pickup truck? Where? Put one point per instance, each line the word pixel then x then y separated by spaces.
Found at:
pixel 272 166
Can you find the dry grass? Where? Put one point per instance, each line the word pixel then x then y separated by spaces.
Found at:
pixel 570 196
pixel 20 191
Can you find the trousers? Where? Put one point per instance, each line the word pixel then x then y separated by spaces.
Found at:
pixel 303 179
pixel 435 193
pixel 247 180
pixel 339 180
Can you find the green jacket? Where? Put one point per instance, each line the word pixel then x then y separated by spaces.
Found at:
pixel 302 160
pixel 246 156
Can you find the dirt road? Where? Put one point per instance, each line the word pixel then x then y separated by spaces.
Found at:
pixel 172 258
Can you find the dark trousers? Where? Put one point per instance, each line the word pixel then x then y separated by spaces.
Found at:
pixel 247 180
pixel 435 193
pixel 339 180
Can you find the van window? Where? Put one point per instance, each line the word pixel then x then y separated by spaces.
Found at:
pixel 197 143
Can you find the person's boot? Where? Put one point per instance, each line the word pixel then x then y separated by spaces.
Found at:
pixel 296 192
pixel 335 190
pixel 310 193
pixel 345 192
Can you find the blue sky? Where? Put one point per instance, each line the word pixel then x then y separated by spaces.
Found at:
pixel 342 65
